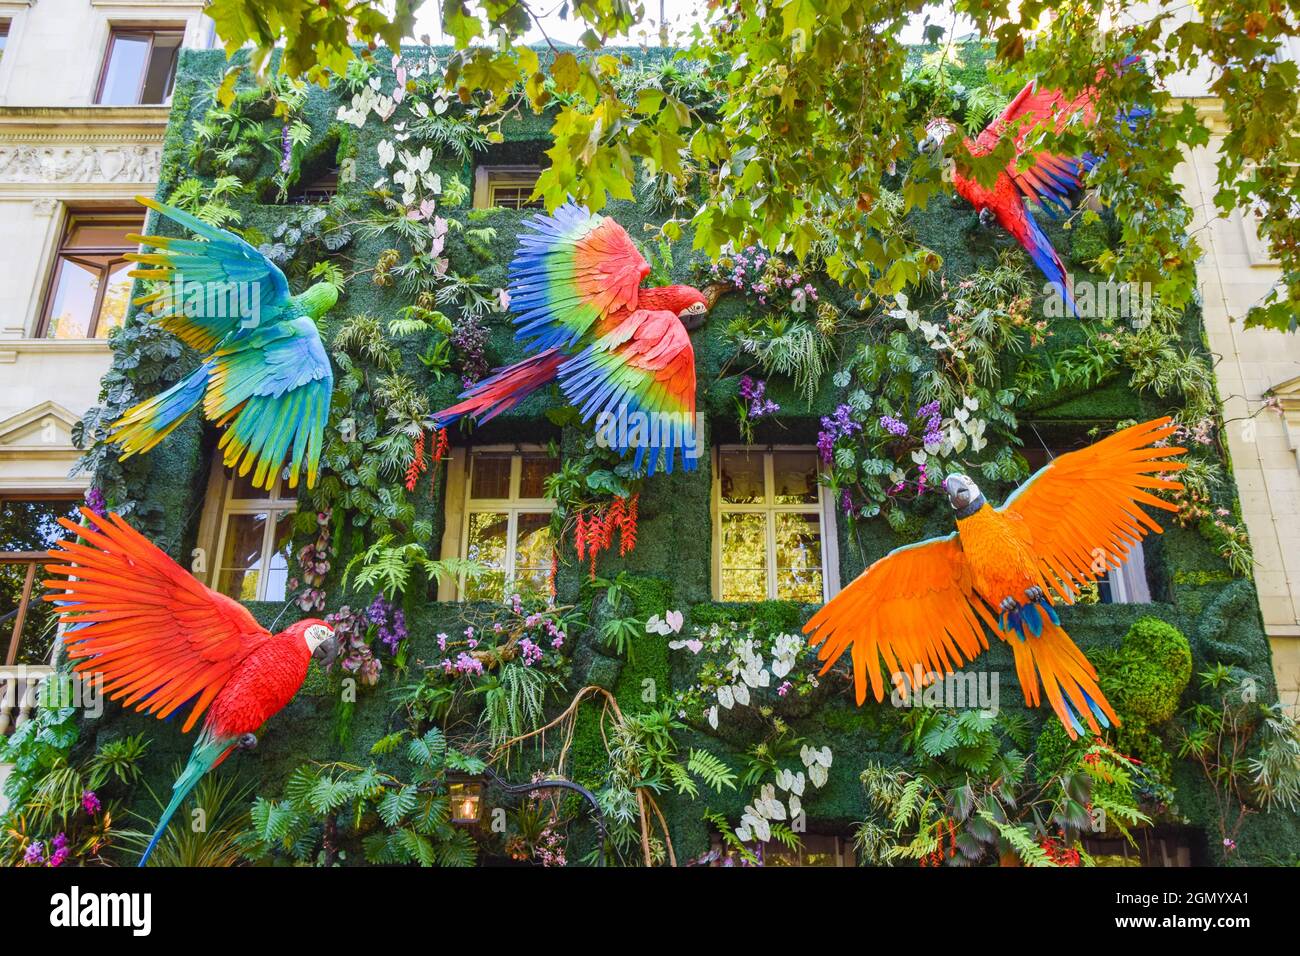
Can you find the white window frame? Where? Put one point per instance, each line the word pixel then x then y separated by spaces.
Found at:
pixel 273 506
pixel 824 508
pixel 513 506
pixel 487 179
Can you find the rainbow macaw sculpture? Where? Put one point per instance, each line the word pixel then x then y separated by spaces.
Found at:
pixel 266 373
pixel 1051 180
pixel 161 639
pixel 924 608
pixel 614 347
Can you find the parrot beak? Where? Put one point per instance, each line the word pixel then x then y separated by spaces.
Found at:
pixel 927 145
pixel 327 651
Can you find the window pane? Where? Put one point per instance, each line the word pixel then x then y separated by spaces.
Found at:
pixel 534 470
pixel 798 558
pixel 487 545
pixel 73 299
pixel 241 559
pixel 103 232
pixel 112 310
pixel 533 554
pixel 491 478
pixel 33 524
pixel 742 477
pixel 242 488
pixel 744 557
pixel 122 75
pixel 794 476
pixel 277 574
pixel 162 68
pixel 36 639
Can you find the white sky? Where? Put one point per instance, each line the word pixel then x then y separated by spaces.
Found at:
pixel 680 15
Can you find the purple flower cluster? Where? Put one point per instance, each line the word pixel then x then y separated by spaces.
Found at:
pixel 95 501
pixel 531 653
pixel 894 426
pixel 469 338
pixel 286 149
pixel 933 423
pixel 90 802
pixel 754 391
pixel 35 852
pixel 61 851
pixel 463 664
pixel 389 621
pixel 834 427
pixel 764 275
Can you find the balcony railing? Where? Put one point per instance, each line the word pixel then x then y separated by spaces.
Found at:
pixel 27 632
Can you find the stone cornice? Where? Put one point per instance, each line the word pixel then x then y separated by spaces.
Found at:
pixel 83 124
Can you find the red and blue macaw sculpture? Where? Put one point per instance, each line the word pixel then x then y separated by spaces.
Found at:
pixel 1051 180
pixel 613 346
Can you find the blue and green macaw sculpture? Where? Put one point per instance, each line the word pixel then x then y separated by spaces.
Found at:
pixel 265 373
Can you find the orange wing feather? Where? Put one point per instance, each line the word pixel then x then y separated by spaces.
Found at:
pixel 157 635
pixel 1081 514
pixel 915 607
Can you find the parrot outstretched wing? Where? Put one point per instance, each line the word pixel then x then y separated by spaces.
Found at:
pixel 222 262
pixel 157 635
pixel 1081 513
pixel 266 371
pixel 573 270
pixel 914 608
pixel 644 364
pixel 274 388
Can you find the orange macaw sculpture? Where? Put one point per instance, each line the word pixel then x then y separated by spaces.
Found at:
pixel 924 607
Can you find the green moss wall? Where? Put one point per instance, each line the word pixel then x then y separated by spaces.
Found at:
pixel 671 563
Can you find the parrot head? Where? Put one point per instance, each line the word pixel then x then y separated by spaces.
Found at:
pixel 319 299
pixel 962 493
pixel 936 131
pixel 319 638
pixel 686 302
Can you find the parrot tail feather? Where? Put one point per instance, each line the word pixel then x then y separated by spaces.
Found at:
pixel 144 425
pixel 1069 681
pixel 209 750
pixel 503 389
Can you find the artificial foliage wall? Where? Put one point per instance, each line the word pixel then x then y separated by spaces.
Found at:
pixel 420 312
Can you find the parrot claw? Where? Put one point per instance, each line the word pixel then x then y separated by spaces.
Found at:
pixel 1009 604
pixel 247 742
pixel 1034 594
pixel 987 219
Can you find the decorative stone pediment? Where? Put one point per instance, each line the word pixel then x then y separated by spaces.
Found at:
pixel 80 164
pixel 45 430
pixel 73 145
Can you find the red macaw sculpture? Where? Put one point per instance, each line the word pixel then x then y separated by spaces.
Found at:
pixel 613 346
pixel 1051 179
pixel 161 639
